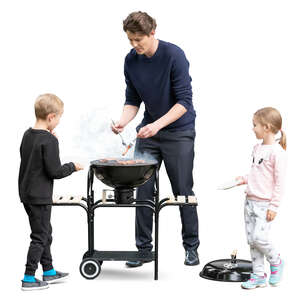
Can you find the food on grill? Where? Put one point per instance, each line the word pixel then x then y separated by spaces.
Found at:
pixel 126 162
pixel 140 161
pixel 107 159
pixel 122 161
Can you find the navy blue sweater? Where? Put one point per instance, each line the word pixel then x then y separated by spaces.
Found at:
pixel 160 82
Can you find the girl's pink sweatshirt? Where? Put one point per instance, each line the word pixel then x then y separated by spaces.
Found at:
pixel 267 175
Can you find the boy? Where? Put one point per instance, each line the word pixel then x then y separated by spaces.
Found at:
pixel 40 164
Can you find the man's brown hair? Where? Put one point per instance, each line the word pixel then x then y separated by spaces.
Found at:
pixel 139 22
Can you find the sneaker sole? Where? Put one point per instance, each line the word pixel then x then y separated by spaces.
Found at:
pixel 137 265
pixel 252 288
pixel 192 264
pixel 57 280
pixel 35 288
pixel 274 284
pixel 129 266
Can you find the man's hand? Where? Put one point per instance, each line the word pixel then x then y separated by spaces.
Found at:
pixel 148 131
pixel 78 167
pixel 129 112
pixel 117 127
pixel 271 215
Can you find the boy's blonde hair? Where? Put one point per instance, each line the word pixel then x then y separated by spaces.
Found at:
pixel 269 116
pixel 46 104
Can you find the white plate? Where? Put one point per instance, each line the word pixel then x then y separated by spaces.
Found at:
pixel 229 184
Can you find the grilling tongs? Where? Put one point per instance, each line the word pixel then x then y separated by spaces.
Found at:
pixel 123 142
pixel 128 147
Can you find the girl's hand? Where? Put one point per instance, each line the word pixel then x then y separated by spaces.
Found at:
pixel 241 180
pixel 271 215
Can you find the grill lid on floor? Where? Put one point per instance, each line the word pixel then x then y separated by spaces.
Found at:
pixel 228 270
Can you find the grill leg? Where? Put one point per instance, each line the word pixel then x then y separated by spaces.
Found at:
pixel 156 246
pixel 156 220
pixel 91 232
pixel 90 203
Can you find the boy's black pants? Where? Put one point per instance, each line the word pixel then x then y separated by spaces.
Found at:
pixel 41 238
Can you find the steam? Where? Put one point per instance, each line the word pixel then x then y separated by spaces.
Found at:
pixel 145 156
pixel 93 139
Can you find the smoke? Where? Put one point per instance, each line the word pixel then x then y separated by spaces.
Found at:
pixel 145 156
pixel 94 138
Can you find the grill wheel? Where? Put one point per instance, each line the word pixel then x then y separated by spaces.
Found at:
pixel 90 268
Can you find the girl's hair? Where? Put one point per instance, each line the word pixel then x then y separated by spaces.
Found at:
pixel 46 104
pixel 271 117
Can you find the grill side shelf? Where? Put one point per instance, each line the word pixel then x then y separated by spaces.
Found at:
pixel 70 201
pixel 178 201
pixel 137 204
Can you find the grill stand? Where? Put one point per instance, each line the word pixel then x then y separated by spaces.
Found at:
pixel 90 267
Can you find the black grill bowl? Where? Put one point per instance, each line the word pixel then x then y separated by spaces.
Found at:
pixel 123 176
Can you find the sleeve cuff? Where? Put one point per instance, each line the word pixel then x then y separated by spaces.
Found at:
pixel 184 104
pixel 72 166
pixel 273 207
pixel 128 102
pixel 245 179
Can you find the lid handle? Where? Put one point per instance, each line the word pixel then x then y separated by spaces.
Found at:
pixel 233 256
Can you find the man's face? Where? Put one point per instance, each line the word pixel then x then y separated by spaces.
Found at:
pixel 141 43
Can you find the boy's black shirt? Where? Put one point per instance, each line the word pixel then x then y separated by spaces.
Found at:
pixel 40 164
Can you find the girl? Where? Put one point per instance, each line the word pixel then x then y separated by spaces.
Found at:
pixel 263 195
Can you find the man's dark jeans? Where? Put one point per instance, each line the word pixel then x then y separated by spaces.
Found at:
pixel 176 149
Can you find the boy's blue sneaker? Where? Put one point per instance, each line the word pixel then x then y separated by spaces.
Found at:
pixel 55 278
pixel 29 278
pixel 51 272
pixel 36 285
pixel 254 282
pixel 276 273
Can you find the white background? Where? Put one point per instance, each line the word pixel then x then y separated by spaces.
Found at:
pixel 243 55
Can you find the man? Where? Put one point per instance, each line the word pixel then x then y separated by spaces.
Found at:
pixel 157 73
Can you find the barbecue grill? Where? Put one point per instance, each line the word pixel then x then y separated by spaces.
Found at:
pixel 124 176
